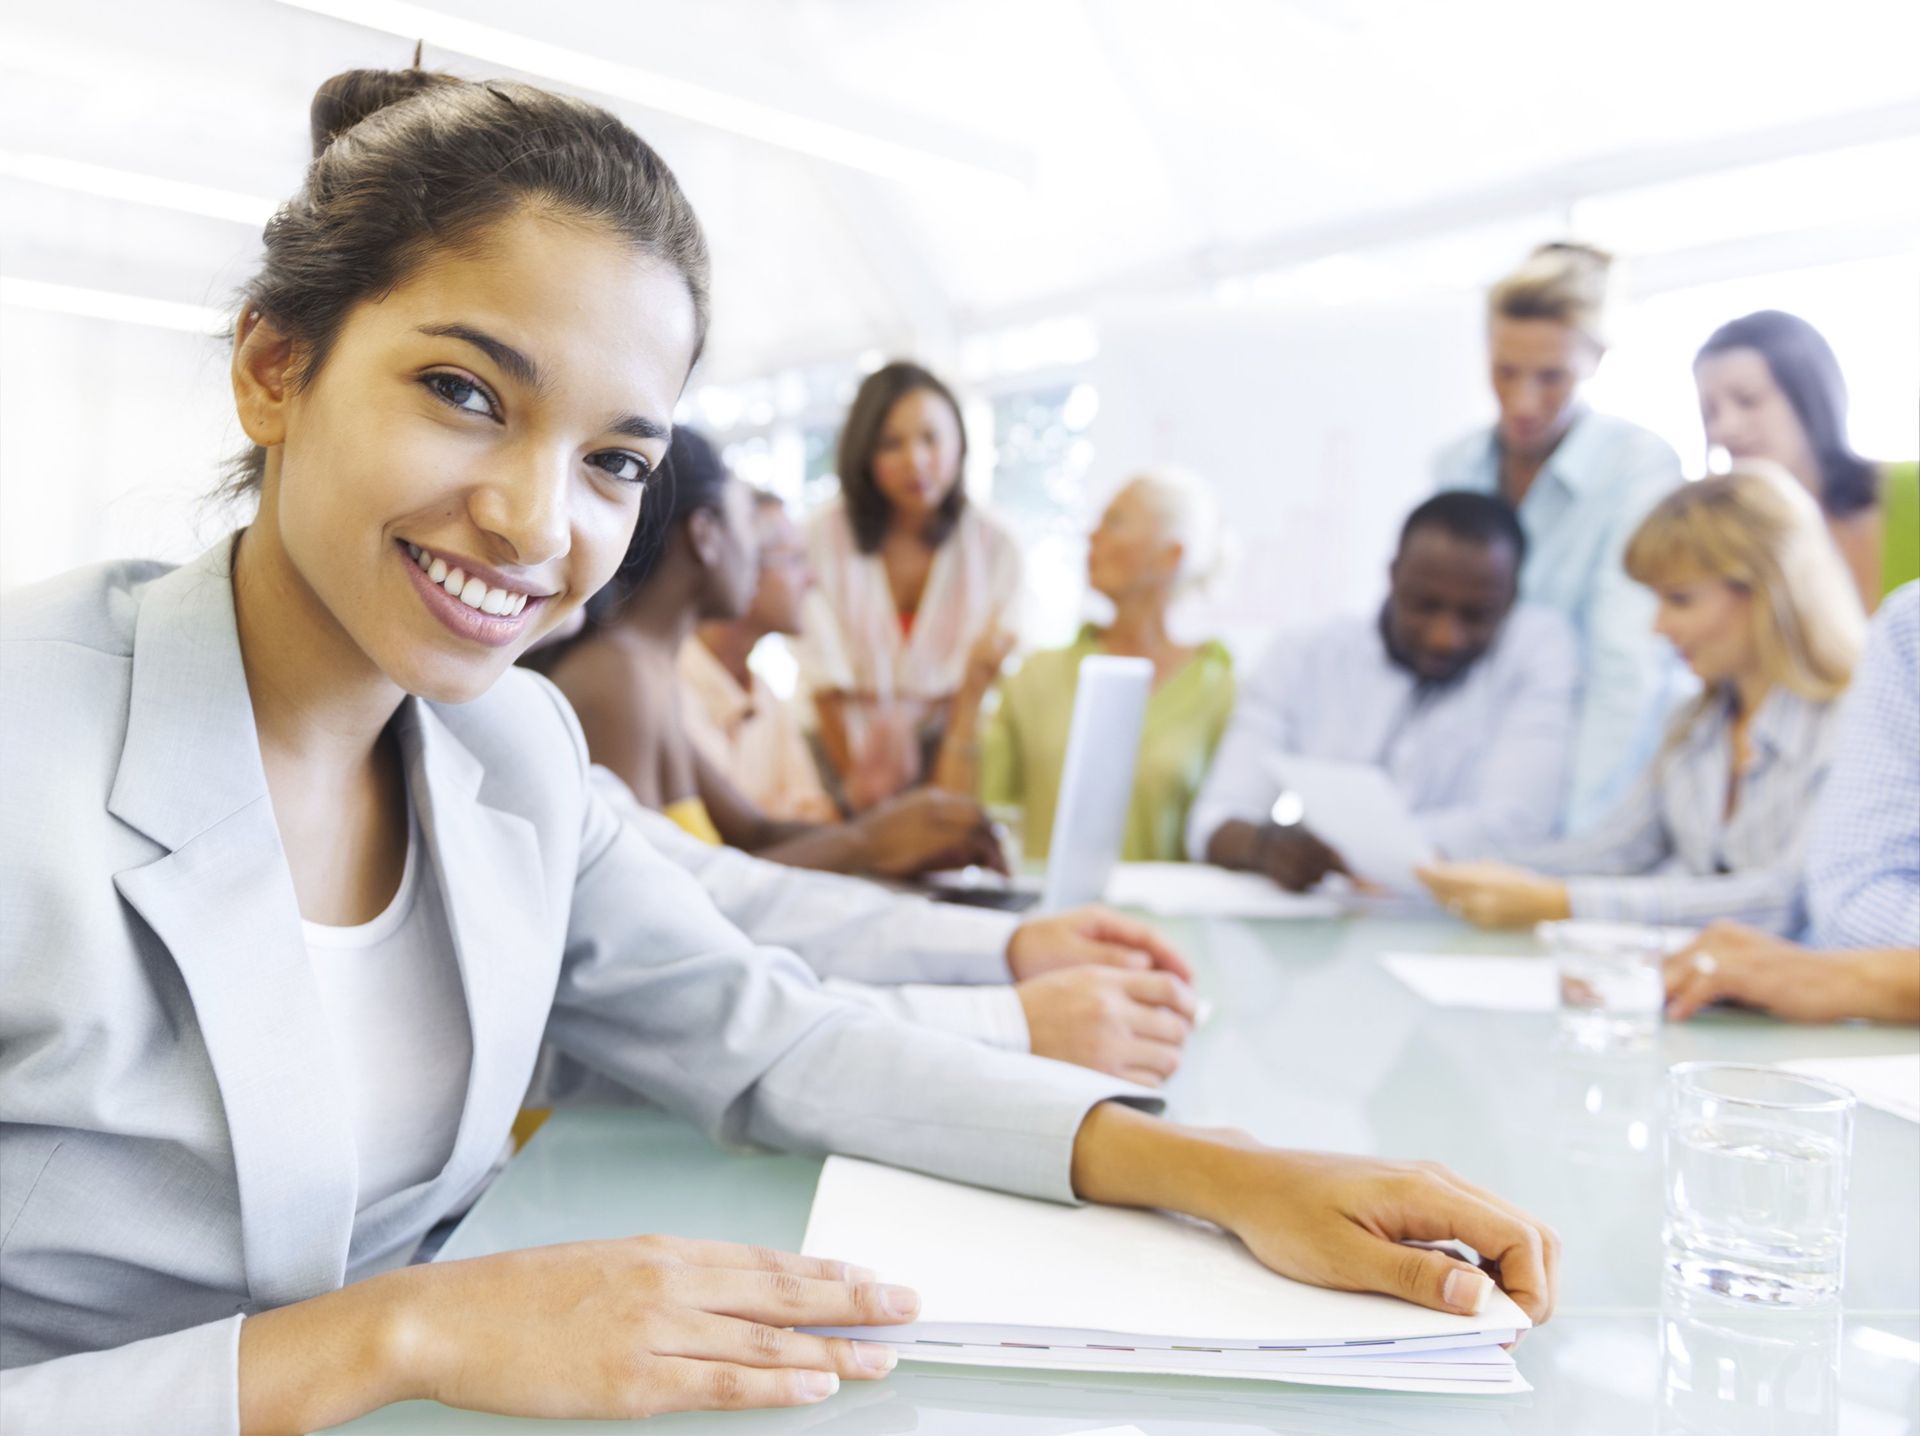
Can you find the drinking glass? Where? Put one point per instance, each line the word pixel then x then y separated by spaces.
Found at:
pixel 1611 988
pixel 1757 1167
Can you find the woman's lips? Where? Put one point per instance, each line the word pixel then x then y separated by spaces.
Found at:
pixel 464 616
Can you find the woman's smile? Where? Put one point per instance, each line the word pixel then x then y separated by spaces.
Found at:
pixel 478 604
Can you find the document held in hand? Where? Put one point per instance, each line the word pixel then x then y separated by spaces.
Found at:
pixel 1009 1281
pixel 1355 809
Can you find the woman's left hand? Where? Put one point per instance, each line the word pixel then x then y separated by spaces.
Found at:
pixel 1496 895
pixel 984 660
pixel 1329 1220
pixel 1343 1222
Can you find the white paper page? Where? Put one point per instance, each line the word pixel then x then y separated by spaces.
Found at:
pixel 1890 1083
pixel 1499 984
pixel 990 1258
pixel 1356 810
pixel 1510 1382
pixel 1202 890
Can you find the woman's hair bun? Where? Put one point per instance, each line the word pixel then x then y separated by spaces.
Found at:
pixel 349 97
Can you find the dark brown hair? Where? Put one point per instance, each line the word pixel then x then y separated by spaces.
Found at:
pixel 410 162
pixel 1803 365
pixel 868 511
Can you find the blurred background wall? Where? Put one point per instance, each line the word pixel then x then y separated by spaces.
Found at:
pixel 1246 235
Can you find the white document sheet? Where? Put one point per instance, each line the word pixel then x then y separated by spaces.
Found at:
pixel 1202 890
pixel 1499 984
pixel 1356 810
pixel 1890 1083
pixel 1008 1281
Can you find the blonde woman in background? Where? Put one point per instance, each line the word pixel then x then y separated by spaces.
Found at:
pixel 1580 482
pixel 1158 539
pixel 1756 600
pixel 915 585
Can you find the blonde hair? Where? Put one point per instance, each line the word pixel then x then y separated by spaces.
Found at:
pixel 1756 528
pixel 1563 281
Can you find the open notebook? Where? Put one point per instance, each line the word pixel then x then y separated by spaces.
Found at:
pixel 1010 1282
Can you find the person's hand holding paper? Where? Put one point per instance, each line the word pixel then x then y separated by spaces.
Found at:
pixel 1355 820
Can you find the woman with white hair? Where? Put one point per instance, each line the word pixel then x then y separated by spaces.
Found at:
pixel 1158 540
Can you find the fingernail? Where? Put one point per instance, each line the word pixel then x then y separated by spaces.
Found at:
pixel 818 1385
pixel 874 1356
pixel 899 1300
pixel 1466 1290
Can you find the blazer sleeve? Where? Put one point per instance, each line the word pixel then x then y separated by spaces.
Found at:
pixel 659 992
pixel 842 927
pixel 192 1375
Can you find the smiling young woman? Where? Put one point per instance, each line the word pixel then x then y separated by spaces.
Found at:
pixel 302 873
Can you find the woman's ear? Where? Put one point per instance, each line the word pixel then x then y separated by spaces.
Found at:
pixel 704 536
pixel 262 364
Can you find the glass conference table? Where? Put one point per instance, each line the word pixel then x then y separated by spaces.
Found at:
pixel 1313 1043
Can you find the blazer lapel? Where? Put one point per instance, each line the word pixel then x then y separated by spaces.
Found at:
pixel 488 865
pixel 222 901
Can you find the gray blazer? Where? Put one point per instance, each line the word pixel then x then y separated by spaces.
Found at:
pixel 174 1148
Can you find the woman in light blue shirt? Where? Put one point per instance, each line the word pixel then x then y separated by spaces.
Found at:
pixel 458 368
pixel 1759 605
pixel 1581 481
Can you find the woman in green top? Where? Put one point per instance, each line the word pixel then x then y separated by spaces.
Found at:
pixel 1157 541
pixel 1770 388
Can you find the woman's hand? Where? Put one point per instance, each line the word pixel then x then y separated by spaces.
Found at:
pixel 1329 1220
pixel 927 830
pixel 985 658
pixel 1127 1024
pixel 588 1330
pixel 1085 936
pixel 1343 1222
pixel 1496 895
pixel 1732 963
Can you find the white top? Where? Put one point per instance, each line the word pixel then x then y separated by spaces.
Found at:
pixel 852 639
pixel 390 992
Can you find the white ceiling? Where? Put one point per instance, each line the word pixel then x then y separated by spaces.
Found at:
pixel 1072 150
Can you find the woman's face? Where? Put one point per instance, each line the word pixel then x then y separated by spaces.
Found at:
pixel 916 459
pixel 731 552
pixel 496 417
pixel 1131 549
pixel 1537 367
pixel 1746 412
pixel 1710 623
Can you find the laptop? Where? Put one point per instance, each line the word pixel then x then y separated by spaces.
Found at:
pixel 1096 790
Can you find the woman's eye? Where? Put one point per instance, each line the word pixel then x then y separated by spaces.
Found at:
pixel 627 468
pixel 462 394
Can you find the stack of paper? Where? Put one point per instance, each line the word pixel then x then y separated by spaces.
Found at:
pixel 1009 1282
pixel 1201 890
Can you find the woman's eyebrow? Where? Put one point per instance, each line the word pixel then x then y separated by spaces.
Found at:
pixel 517 365
pixel 525 371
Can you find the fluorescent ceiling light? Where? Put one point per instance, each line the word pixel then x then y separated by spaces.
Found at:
pixel 138 188
pixel 820 139
pixel 105 304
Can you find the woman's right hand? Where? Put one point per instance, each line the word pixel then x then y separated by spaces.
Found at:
pixel 928 830
pixel 587 1330
pixel 645 1325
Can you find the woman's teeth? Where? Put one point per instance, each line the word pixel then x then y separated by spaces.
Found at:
pixel 473 592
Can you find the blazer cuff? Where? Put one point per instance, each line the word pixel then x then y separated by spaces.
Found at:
pixel 184 1381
